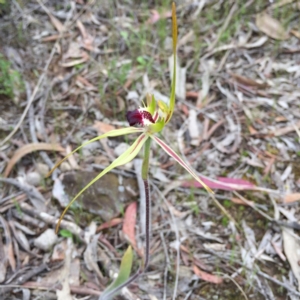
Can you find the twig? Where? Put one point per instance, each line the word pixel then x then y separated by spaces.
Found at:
pixel 73 228
pixel 31 191
pixel 22 279
pixel 138 168
pixel 43 154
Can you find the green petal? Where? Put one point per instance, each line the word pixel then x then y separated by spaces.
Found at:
pixel 123 275
pixel 115 132
pixel 157 127
pixel 123 159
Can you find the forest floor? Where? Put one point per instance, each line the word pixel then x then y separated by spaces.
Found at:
pixel 70 70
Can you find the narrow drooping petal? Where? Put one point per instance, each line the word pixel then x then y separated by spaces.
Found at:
pixel 173 154
pixel 116 132
pixel 123 159
pixel 139 117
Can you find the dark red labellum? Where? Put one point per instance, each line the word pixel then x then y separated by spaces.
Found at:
pixel 139 117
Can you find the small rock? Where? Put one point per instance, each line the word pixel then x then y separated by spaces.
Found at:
pixel 65 167
pixel 33 178
pixel 42 169
pixel 120 149
pixel 46 240
pixel 90 148
pixel 189 86
pixel 59 251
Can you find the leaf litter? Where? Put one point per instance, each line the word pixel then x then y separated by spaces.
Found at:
pixel 236 120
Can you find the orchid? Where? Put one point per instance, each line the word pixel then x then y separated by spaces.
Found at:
pixel 150 119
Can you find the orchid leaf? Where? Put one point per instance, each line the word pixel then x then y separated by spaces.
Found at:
pixel 173 154
pixel 123 275
pixel 123 159
pixel 116 132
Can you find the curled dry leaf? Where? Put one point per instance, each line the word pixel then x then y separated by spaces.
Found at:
pixel 291 198
pixel 129 223
pixel 271 27
pixel 292 251
pixel 206 276
pixel 28 149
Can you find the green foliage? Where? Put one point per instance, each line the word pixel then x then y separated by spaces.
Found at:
pixel 9 79
pixel 123 275
pixel 65 233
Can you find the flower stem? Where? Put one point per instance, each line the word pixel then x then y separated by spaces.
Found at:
pixel 142 269
pixel 145 171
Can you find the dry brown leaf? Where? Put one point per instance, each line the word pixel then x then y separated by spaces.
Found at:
pixel 3 261
pixel 129 223
pixel 247 81
pixel 75 62
pixel 291 198
pixel 292 251
pixel 71 159
pixel 28 149
pixel 296 33
pixel 271 27
pixel 285 130
pixel 206 276
pixel 56 23
pixel 102 127
pixel 239 201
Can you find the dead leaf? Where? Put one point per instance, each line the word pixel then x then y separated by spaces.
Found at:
pixel 71 158
pixel 239 201
pixel 271 27
pixel 223 183
pixel 102 127
pixel 28 149
pixel 56 23
pixel 193 128
pixel 3 261
pixel 156 16
pixel 109 224
pixel 292 251
pixel 247 81
pixel 84 58
pixel 291 198
pixel 65 292
pixel 206 276
pixel 129 223
pixel 285 130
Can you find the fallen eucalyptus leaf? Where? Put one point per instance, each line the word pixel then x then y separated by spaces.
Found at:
pixel 271 27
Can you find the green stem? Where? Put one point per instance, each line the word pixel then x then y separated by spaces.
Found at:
pixel 142 268
pixel 145 166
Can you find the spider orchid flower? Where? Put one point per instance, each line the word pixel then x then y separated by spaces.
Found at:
pixel 147 120
pixel 151 119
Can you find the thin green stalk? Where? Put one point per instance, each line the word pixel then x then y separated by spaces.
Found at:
pixel 145 166
pixel 142 269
